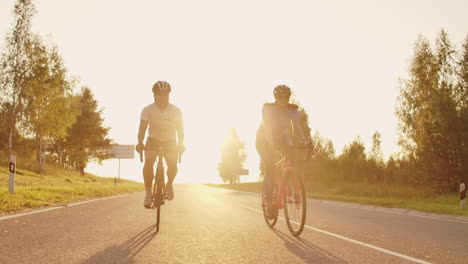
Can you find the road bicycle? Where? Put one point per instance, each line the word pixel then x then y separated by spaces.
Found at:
pixel 159 186
pixel 288 193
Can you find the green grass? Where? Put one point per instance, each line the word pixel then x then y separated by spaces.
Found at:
pixel 393 196
pixel 56 187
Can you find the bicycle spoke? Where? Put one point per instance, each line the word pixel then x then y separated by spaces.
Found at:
pixel 295 205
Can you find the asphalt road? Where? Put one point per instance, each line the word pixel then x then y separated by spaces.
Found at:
pixel 210 225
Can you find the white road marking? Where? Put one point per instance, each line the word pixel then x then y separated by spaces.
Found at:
pixel 387 210
pixel 363 207
pixel 58 207
pixel 353 240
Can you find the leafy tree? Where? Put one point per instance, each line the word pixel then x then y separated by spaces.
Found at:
pixel 15 66
pixel 4 122
pixel 87 139
pixel 48 111
pixel 428 109
pixel 232 157
pixel 329 150
pixel 376 162
pixel 462 104
pixel 390 170
pixel 352 161
pixel 24 147
pixel 376 150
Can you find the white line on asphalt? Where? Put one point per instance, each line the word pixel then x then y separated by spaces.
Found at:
pixel 352 240
pixel 94 200
pixel 386 210
pixel 58 207
pixel 363 207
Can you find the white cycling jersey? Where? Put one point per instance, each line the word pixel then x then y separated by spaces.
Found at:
pixel 163 124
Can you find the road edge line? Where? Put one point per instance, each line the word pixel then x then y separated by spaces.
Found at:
pixel 57 207
pixel 375 208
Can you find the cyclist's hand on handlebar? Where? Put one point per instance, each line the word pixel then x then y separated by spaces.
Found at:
pixel 139 148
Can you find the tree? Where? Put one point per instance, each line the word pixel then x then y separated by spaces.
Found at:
pixel 376 150
pixel 232 157
pixel 352 161
pixel 431 129
pixel 462 104
pixel 330 150
pixel 15 65
pixel 48 111
pixel 4 122
pixel 87 139
pixel 376 162
pixel 390 170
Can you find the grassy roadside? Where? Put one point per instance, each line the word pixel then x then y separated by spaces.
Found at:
pixel 56 187
pixel 393 196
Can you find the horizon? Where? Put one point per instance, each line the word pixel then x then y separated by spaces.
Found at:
pixel 342 59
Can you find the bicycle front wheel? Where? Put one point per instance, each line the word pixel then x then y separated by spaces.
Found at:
pixel 273 218
pixel 158 213
pixel 295 204
pixel 159 199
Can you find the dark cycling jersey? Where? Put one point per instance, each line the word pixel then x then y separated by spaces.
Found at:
pixel 280 125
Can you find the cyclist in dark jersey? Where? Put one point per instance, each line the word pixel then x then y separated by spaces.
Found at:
pixel 280 125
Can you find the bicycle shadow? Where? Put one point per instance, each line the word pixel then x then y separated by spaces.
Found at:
pixel 306 250
pixel 125 252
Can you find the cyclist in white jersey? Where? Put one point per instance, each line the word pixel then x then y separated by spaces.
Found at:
pixel 165 129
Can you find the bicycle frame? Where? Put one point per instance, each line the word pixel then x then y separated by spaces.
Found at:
pixel 288 193
pixel 159 186
pixel 284 168
pixel 159 180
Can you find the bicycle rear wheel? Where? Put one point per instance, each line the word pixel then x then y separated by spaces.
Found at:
pixel 271 221
pixel 295 204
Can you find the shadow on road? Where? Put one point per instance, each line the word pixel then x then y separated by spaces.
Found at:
pixel 306 250
pixel 125 252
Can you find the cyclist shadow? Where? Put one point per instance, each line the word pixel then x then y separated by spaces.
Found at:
pixel 306 250
pixel 125 252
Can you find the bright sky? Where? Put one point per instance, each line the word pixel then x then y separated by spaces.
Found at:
pixel 343 60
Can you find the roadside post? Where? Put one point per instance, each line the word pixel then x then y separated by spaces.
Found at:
pixel 12 169
pixel 462 196
pixel 122 152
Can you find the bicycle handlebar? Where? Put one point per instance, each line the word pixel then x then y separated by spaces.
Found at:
pixel 309 151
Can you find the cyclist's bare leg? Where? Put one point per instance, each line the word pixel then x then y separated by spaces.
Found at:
pixel 148 168
pixel 171 161
pixel 287 171
pixel 269 178
pixel 172 169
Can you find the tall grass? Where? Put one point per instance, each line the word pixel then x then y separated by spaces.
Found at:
pixel 387 195
pixel 56 187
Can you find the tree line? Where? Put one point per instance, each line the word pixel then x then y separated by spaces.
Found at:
pixel 42 117
pixel 432 108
